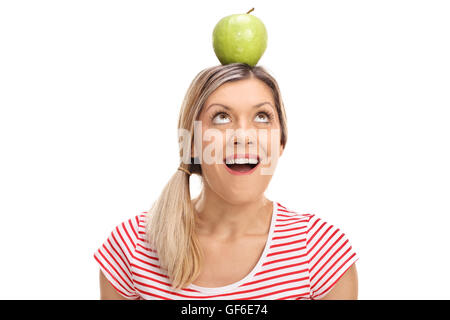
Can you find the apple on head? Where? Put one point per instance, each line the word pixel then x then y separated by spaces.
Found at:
pixel 240 38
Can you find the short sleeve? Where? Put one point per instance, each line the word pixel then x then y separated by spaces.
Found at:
pixel 115 257
pixel 330 255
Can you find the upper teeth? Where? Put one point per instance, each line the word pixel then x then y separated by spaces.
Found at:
pixel 242 161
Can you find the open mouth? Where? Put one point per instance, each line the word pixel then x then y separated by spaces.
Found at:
pixel 242 164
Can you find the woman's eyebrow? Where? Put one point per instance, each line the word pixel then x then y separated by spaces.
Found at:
pixel 229 108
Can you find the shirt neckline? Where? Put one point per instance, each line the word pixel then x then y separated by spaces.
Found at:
pixel 255 269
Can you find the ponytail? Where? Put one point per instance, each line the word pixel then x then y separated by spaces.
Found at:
pixel 171 231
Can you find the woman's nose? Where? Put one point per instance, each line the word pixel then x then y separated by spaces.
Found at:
pixel 243 133
pixel 245 140
pixel 243 136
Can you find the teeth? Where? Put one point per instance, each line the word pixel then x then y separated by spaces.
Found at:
pixel 242 161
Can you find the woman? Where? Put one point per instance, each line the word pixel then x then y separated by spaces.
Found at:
pixel 230 242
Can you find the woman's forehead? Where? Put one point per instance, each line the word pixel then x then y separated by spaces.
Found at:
pixel 241 93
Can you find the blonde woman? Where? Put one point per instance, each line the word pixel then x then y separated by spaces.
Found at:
pixel 231 242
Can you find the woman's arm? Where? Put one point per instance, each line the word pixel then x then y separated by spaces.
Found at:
pixel 346 288
pixel 107 291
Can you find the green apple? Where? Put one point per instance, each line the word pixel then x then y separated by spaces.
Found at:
pixel 240 38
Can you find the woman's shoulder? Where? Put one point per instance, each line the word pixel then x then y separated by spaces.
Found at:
pixel 126 235
pixel 320 233
pixel 288 212
pixel 133 227
pixel 117 254
pixel 329 251
pixel 313 220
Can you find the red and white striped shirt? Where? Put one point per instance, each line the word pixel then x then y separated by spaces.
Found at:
pixel 303 259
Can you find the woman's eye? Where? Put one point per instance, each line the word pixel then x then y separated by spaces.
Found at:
pixel 219 117
pixel 262 116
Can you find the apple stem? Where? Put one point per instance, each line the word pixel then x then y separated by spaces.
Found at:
pixel 250 10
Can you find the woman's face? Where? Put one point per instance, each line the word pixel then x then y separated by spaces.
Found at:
pixel 239 122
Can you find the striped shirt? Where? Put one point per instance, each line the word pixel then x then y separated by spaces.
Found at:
pixel 303 259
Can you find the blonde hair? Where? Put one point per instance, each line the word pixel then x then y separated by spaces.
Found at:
pixel 171 221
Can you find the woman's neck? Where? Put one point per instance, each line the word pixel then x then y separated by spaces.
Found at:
pixel 222 220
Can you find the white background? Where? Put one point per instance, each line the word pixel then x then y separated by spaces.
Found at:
pixel 90 93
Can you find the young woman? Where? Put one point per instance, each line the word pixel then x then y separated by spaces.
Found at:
pixel 230 242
